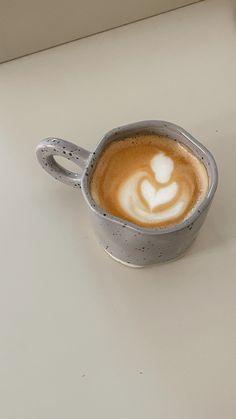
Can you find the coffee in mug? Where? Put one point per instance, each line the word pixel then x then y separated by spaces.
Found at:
pixel 149 180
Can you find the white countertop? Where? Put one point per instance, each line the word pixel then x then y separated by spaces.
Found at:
pixel 82 336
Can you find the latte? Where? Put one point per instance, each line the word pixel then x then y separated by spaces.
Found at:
pixel 149 180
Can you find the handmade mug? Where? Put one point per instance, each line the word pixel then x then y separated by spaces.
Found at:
pixel 124 241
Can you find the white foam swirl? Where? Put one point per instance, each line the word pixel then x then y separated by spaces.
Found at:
pixel 132 203
pixel 155 197
pixel 163 167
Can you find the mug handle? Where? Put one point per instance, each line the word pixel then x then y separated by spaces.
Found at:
pixel 50 147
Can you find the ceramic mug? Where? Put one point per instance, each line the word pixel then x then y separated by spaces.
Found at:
pixel 124 241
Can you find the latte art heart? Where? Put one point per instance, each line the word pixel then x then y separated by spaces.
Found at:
pixel 162 167
pixel 155 197
pixel 149 180
pixel 130 197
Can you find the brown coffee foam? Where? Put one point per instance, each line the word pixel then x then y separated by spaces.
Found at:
pixel 122 158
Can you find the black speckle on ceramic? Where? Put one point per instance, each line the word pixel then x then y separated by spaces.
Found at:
pixel 51 147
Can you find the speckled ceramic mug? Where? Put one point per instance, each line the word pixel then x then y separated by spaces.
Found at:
pixel 126 242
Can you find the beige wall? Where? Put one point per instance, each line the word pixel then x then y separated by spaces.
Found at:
pixel 27 26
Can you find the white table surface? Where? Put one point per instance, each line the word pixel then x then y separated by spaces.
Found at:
pixel 82 336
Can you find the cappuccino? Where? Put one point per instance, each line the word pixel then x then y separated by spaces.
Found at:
pixel 149 180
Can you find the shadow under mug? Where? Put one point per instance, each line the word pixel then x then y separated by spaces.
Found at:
pixel 124 241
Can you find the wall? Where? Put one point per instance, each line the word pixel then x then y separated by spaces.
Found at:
pixel 28 26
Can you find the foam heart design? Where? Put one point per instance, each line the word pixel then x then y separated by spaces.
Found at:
pixel 161 196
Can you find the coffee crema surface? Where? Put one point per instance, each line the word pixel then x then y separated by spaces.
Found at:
pixel 149 180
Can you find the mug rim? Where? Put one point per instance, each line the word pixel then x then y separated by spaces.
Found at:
pixel 117 133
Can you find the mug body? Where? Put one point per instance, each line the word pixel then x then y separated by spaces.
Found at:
pixel 133 245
